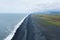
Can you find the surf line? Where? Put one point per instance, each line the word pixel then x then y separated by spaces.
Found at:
pixel 10 36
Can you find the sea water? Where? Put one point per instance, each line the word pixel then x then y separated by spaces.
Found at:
pixel 8 22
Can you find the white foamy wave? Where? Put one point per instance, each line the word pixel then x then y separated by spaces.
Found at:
pixel 9 37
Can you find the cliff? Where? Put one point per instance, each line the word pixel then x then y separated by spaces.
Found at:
pixel 34 28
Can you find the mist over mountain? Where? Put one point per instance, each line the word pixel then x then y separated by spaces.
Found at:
pixel 48 12
pixel 53 11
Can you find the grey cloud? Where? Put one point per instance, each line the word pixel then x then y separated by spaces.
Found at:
pixel 27 6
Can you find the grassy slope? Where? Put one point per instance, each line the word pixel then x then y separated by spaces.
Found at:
pixel 49 19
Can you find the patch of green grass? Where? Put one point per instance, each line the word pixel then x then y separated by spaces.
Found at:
pixel 49 19
pixel 53 22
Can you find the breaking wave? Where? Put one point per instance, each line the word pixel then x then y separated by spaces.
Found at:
pixel 9 37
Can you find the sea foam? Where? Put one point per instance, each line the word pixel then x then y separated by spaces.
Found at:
pixel 10 36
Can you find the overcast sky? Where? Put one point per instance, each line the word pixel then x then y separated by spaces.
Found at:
pixel 28 6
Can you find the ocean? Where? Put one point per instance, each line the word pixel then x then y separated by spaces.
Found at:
pixel 8 22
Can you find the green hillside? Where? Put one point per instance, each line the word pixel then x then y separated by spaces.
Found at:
pixel 48 19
